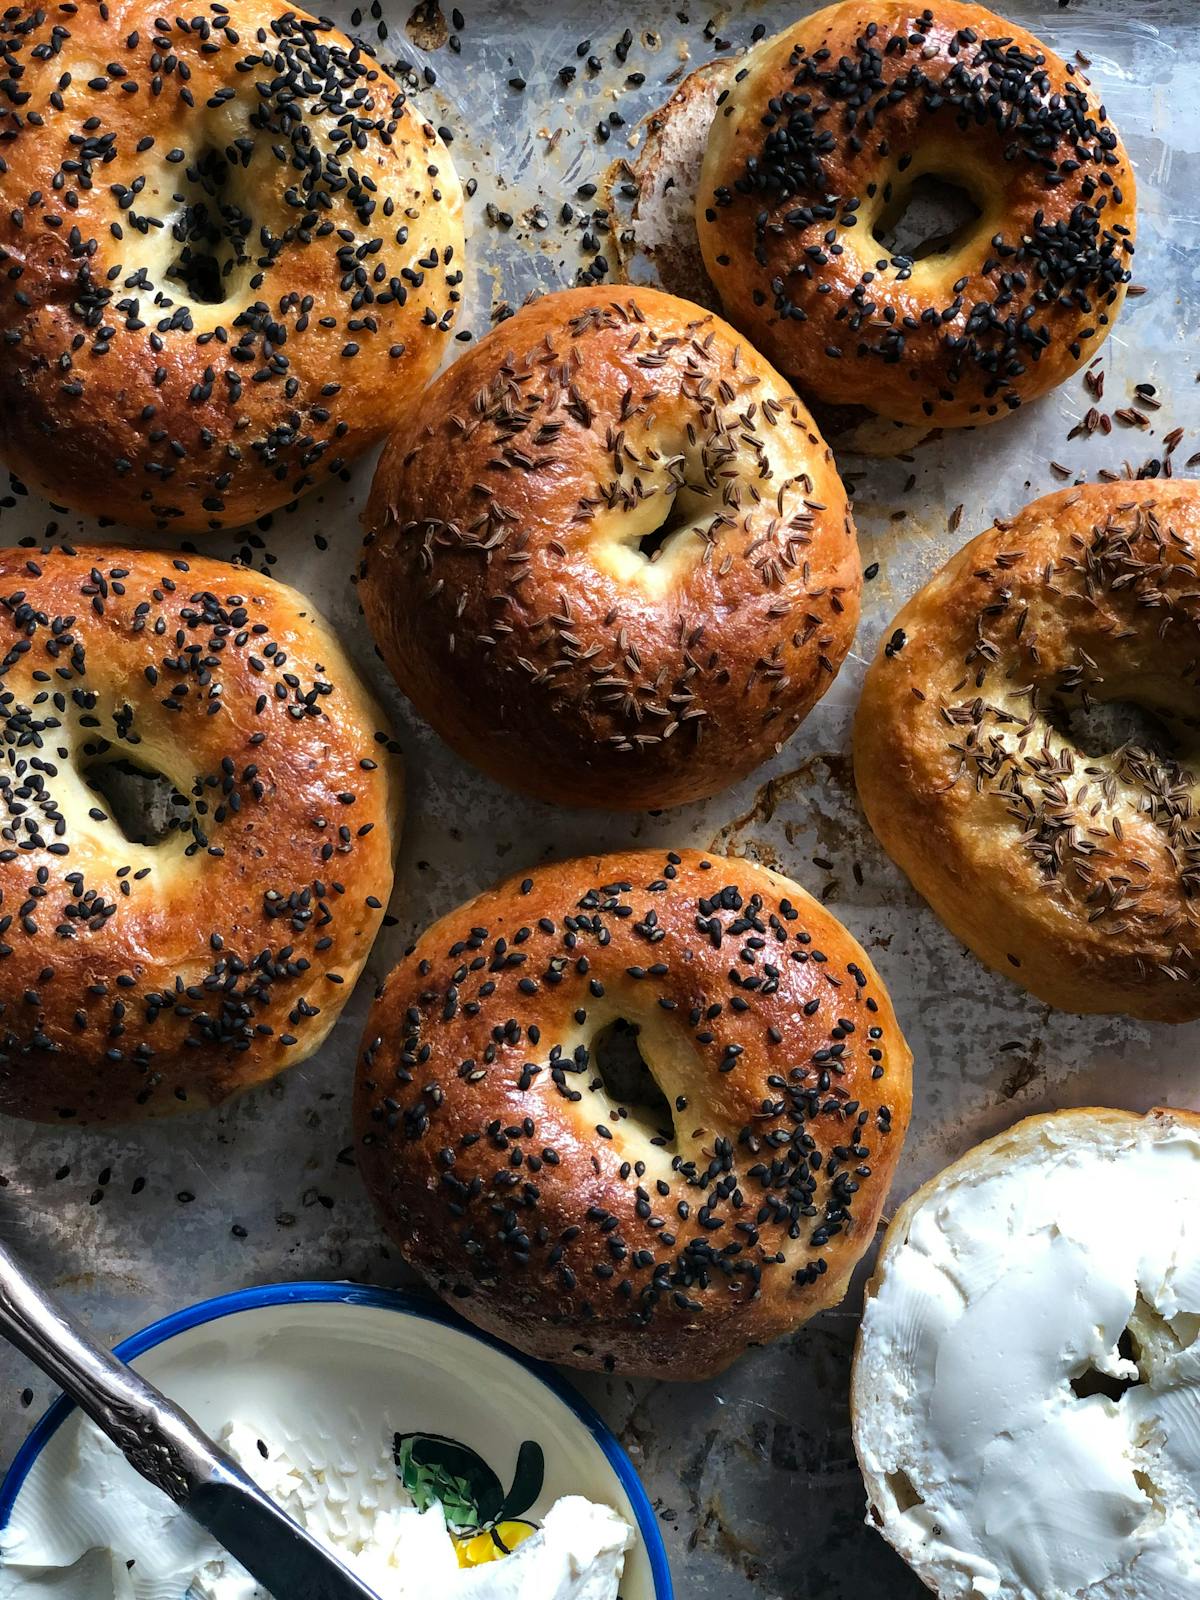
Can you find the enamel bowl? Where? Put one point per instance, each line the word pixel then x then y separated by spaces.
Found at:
pixel 330 1354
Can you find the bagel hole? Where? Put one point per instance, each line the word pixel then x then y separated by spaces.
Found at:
pixel 1101 727
pixel 1148 1486
pixel 210 228
pixel 903 1491
pixel 1092 1381
pixel 617 1058
pixel 681 513
pixel 144 804
pixel 927 217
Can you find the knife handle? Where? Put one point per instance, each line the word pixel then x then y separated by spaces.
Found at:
pixel 155 1437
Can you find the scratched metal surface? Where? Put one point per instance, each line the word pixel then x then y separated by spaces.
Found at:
pixel 754 1473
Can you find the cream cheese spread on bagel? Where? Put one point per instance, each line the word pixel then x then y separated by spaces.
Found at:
pixel 1027 1385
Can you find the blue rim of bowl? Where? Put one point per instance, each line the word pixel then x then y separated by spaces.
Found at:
pixel 275 1294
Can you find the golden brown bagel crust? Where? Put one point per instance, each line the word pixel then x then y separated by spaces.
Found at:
pixel 503 580
pixel 141 979
pixel 553 1216
pixel 871 95
pixel 1075 874
pixel 126 389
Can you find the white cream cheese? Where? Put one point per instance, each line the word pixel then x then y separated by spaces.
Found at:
pixel 1019 1274
pixel 115 1538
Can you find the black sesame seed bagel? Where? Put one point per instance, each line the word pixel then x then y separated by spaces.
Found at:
pixel 660 1237
pixel 816 149
pixel 140 978
pixel 1069 865
pixel 228 251
pixel 609 556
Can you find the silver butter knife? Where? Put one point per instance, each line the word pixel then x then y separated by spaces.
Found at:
pixel 163 1443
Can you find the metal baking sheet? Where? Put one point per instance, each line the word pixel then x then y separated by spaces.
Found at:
pixel 754 1474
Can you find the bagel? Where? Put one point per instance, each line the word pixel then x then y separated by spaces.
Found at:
pixel 1026 1390
pixel 517 1171
pixel 139 977
pixel 609 556
pixel 1072 870
pixel 228 252
pixel 816 151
